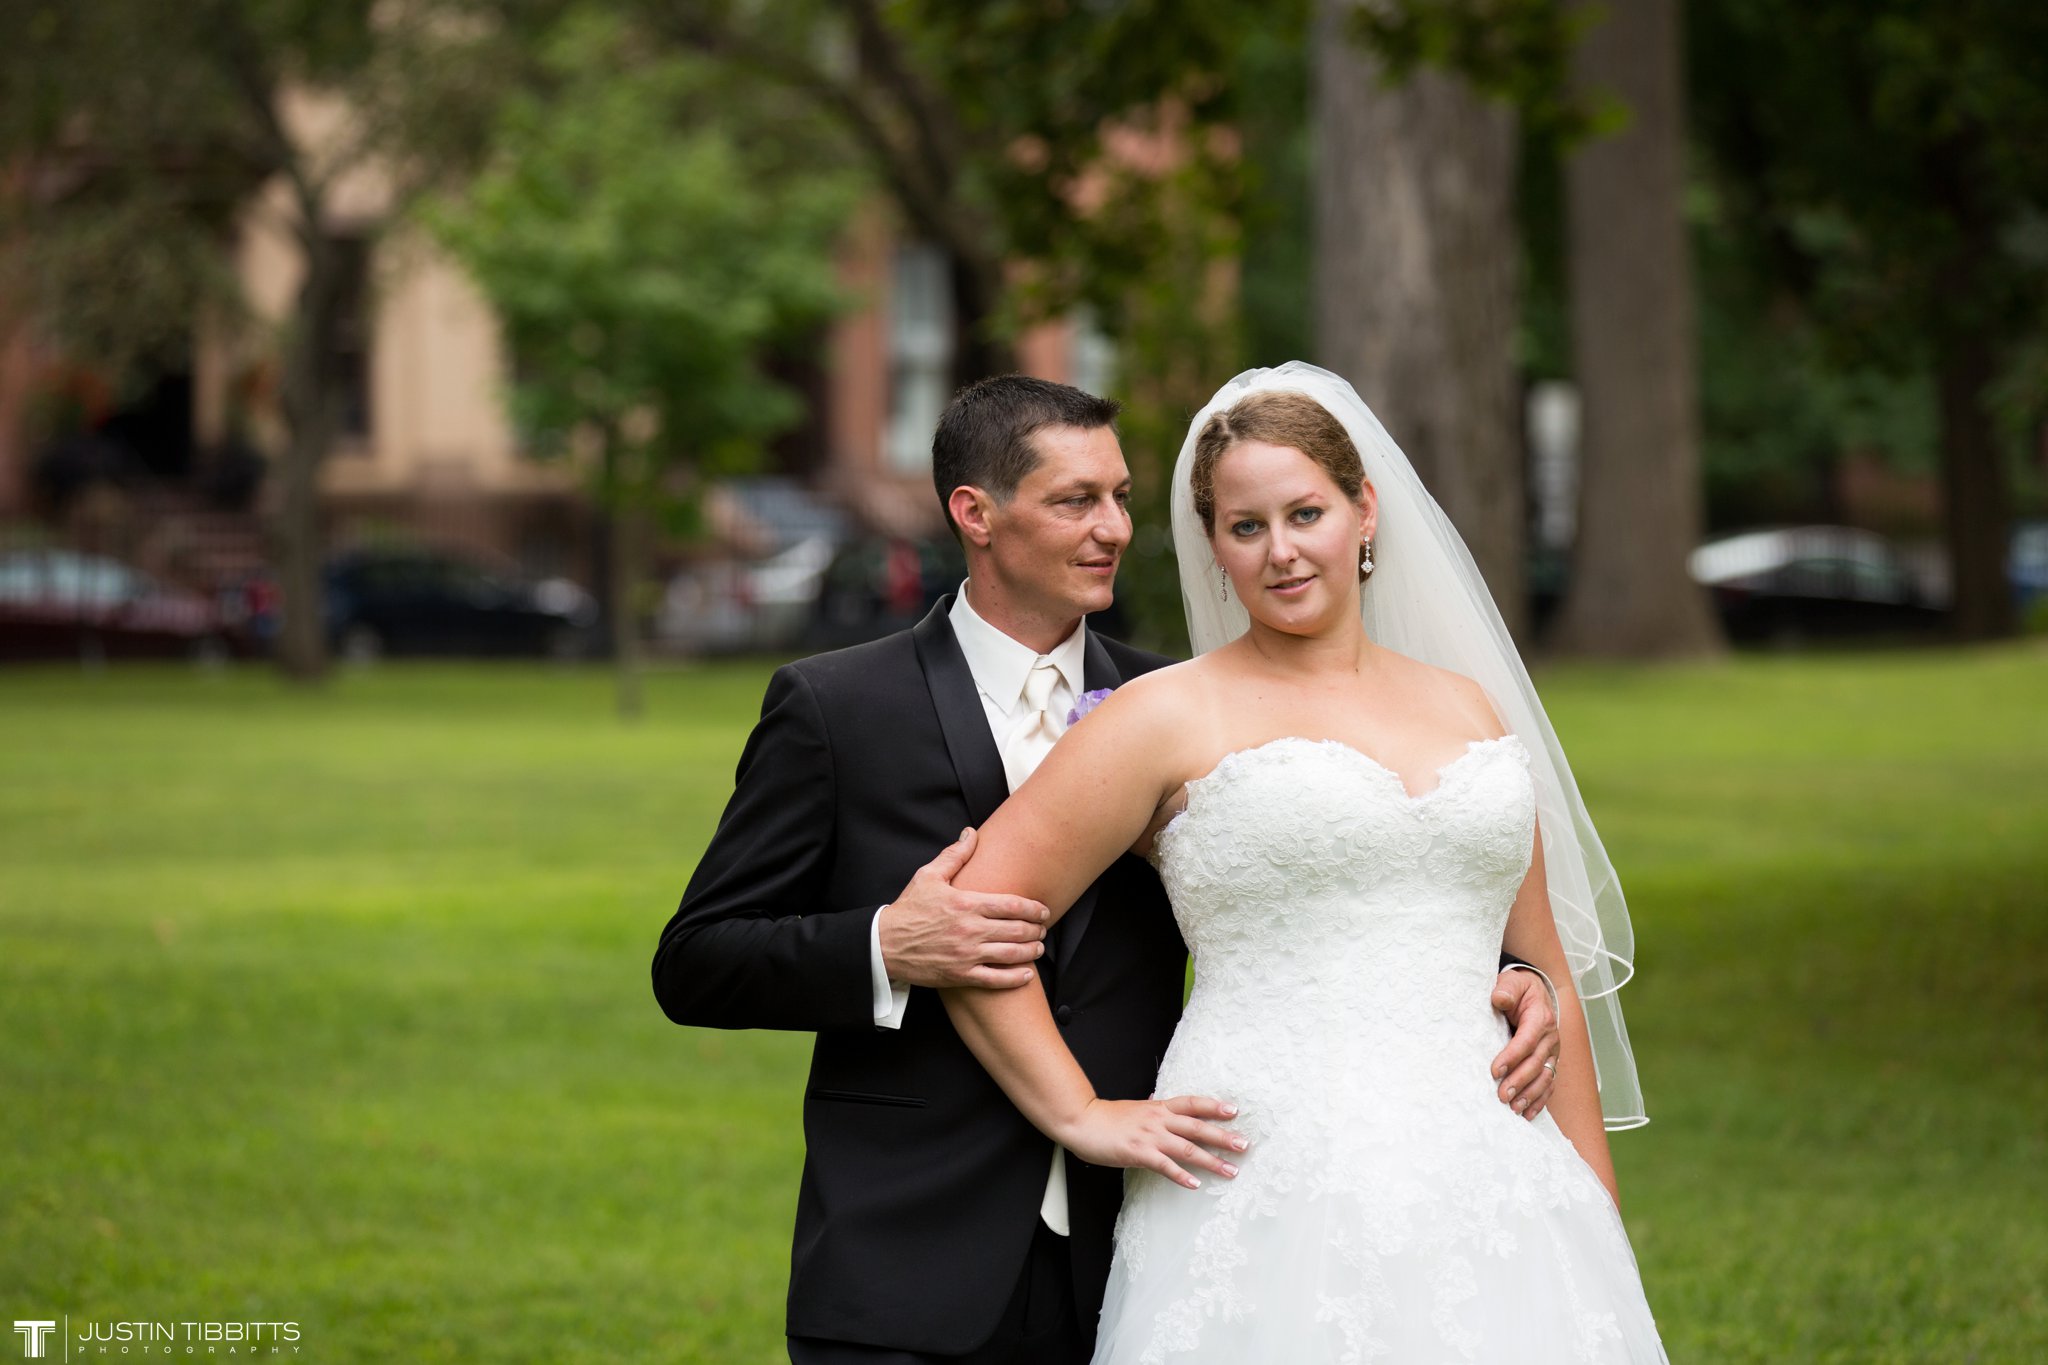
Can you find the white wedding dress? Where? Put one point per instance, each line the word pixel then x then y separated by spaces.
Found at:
pixel 1346 936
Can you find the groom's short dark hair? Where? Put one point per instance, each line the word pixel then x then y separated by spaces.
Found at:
pixel 984 435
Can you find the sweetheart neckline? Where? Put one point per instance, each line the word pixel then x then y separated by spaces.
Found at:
pixel 1440 772
pixel 1410 800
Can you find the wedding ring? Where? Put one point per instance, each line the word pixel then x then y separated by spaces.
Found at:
pixel 1551 1066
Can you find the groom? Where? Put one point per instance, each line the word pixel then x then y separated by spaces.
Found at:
pixel 933 1222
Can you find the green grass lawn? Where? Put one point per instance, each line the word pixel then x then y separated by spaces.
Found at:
pixel 333 1008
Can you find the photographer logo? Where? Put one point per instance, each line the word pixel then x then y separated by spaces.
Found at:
pixel 238 1341
pixel 33 1333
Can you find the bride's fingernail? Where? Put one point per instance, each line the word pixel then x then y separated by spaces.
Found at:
pixel 1230 1170
pixel 1511 1092
pixel 1229 1111
pixel 1239 1143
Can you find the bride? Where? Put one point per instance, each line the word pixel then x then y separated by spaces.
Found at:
pixel 1355 801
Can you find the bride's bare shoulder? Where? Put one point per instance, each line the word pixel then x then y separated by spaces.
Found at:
pixel 1158 728
pixel 1164 699
pixel 1164 707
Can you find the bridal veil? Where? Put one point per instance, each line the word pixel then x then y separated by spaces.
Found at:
pixel 1426 599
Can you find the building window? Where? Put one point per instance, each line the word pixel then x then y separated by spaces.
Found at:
pixel 920 354
pixel 348 359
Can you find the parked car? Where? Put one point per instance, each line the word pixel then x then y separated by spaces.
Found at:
pixel 419 601
pixel 1790 584
pixel 725 606
pixel 880 584
pixel 60 604
pixel 2026 568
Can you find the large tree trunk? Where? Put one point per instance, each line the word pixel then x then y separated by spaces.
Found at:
pixel 1633 350
pixel 1416 277
pixel 1976 508
pixel 310 423
pixel 1976 497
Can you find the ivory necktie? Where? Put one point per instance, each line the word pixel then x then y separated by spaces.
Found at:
pixel 1033 727
pixel 1032 731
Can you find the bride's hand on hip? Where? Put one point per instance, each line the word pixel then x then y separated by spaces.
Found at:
pixel 1166 1136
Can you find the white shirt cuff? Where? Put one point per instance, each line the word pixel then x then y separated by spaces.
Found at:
pixel 889 998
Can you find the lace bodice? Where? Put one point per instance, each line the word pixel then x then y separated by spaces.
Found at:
pixel 1346 936
pixel 1322 834
pixel 1337 910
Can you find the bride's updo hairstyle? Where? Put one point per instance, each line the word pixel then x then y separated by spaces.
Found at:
pixel 1278 418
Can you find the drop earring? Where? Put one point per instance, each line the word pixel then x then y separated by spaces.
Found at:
pixel 1222 584
pixel 1365 559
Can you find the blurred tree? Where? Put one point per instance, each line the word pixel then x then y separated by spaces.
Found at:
pixel 1782 413
pixel 1600 86
pixel 1883 163
pixel 1059 155
pixel 1276 291
pixel 1176 318
pixel 1416 270
pixel 1043 147
pixel 1779 410
pixel 1634 352
pixel 647 231
pixel 137 132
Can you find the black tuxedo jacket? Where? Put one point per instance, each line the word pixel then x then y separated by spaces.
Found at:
pixel 921 1182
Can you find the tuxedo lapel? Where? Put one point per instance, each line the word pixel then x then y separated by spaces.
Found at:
pixel 1100 672
pixel 976 761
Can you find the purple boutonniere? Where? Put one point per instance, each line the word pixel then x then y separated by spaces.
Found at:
pixel 1087 702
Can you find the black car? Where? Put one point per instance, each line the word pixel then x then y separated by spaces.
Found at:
pixel 421 602
pixel 880 584
pixel 1792 584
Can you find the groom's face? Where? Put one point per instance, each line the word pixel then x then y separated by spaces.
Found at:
pixel 1057 541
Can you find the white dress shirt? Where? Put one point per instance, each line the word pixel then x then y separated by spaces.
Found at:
pixel 1000 666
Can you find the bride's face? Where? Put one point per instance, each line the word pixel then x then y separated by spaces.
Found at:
pixel 1288 537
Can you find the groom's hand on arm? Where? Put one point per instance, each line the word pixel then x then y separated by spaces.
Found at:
pixel 935 934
